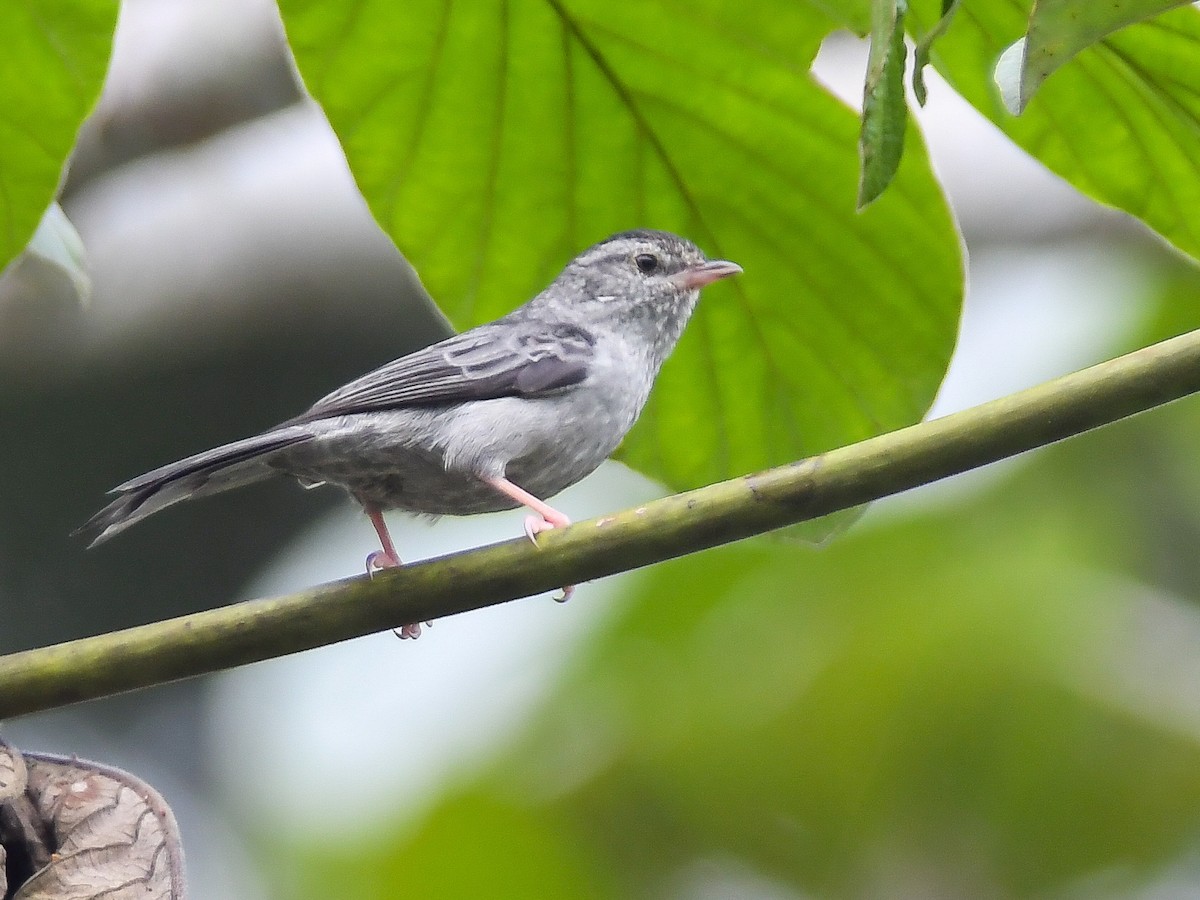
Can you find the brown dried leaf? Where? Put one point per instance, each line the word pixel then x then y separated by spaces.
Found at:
pixel 114 835
pixel 23 835
pixel 13 776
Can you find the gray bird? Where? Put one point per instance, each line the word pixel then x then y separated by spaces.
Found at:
pixel 501 416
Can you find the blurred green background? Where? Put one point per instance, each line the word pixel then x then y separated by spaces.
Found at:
pixel 989 688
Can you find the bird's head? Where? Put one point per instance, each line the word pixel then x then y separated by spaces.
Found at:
pixel 643 282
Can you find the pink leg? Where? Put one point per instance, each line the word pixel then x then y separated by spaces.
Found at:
pixel 545 518
pixel 386 559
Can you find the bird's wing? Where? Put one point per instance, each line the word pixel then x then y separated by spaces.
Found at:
pixel 503 359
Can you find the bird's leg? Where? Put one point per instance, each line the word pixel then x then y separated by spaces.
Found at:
pixel 547 516
pixel 544 517
pixel 386 559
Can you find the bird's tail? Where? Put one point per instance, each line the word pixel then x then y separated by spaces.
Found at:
pixel 211 472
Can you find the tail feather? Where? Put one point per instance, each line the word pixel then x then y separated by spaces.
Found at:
pixel 210 472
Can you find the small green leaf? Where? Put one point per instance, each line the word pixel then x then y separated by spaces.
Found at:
pixel 55 54
pixel 495 141
pixel 1058 29
pixel 885 110
pixel 925 45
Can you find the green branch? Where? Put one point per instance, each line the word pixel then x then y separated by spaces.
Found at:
pixel 684 523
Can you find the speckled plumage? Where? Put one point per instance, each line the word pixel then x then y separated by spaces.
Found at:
pixel 540 397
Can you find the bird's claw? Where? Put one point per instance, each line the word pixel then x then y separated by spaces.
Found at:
pixel 535 525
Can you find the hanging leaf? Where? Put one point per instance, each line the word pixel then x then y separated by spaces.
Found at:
pixel 885 109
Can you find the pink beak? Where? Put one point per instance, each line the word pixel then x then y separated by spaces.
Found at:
pixel 696 277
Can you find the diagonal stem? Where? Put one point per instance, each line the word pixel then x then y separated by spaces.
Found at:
pixel 247 632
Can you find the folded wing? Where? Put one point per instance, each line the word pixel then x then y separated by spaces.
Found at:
pixel 500 360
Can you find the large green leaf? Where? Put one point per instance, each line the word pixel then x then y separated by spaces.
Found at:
pixel 51 69
pixel 1121 121
pixel 495 140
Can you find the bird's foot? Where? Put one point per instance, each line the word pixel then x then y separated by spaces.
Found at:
pixel 379 560
pixel 535 525
pixel 543 518
pixel 410 632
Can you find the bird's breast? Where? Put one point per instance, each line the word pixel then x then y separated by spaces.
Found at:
pixel 549 442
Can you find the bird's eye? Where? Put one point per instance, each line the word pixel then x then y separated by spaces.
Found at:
pixel 647 263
